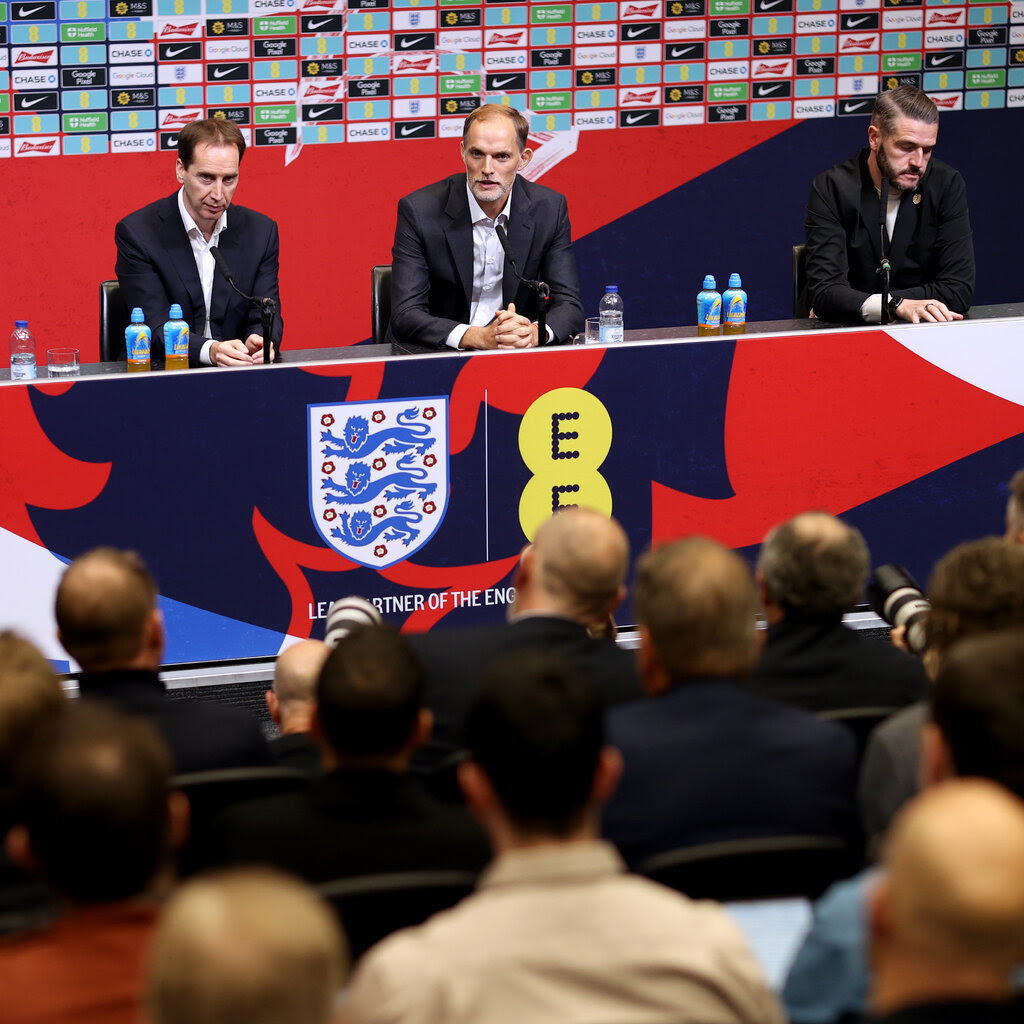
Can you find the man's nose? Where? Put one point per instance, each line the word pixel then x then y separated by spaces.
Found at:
pixel 488 165
pixel 217 189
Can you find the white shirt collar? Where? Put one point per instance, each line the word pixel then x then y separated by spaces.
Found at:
pixel 477 214
pixel 190 224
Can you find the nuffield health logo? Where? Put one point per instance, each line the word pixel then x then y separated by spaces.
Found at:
pixel 378 476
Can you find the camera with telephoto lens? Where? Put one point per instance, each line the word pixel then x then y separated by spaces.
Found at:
pixel 895 596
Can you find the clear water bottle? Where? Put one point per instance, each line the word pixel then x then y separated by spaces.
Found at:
pixel 23 352
pixel 610 312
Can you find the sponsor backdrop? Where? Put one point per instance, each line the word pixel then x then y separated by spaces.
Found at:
pixel 684 132
pixel 416 481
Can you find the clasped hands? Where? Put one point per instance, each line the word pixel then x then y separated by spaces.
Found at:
pixel 508 329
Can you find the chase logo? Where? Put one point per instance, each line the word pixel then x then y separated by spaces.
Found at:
pixel 378 476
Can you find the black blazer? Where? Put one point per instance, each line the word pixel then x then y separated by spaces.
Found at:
pixel 432 261
pixel 931 252
pixel 156 267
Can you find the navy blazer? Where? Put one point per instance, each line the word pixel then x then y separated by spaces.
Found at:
pixel 432 261
pixel 931 251
pixel 156 267
pixel 708 761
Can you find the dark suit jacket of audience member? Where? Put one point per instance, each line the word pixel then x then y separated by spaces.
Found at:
pixel 824 666
pixel 348 823
pixel 456 659
pixel 202 735
pixel 708 761
pixel 297 750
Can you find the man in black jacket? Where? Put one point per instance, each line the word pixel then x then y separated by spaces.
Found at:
pixel 924 210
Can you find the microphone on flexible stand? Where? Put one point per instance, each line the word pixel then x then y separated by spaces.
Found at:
pixel 543 291
pixel 267 306
pixel 884 269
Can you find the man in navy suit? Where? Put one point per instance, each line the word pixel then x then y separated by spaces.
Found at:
pixel 452 285
pixel 704 759
pixel 163 253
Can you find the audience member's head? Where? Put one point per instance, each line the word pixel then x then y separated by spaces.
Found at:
pixel 539 766
pixel 977 711
pixel 370 700
pixel 947 916
pixel 292 701
pixel 976 588
pixel 106 612
pixel 93 808
pixel 812 567
pixel 696 604
pixel 1015 509
pixel 246 947
pixel 29 692
pixel 576 567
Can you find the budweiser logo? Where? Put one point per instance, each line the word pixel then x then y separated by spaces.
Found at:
pixel 632 11
pixel 405 64
pixel 37 147
pixel 770 69
pixel 944 101
pixel 179 30
pixel 937 18
pixel 858 44
pixel 178 120
pixel 506 38
pixel 320 90
pixel 35 58
pixel 640 97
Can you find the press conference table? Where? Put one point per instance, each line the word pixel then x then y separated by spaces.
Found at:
pixel 224 481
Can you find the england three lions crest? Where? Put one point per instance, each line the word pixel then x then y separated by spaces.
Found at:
pixel 378 476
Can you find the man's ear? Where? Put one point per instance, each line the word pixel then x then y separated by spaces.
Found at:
pixel 19 849
pixel 179 171
pixel 476 788
pixel 936 763
pixel 607 775
pixel 653 677
pixel 524 158
pixel 180 816
pixel 273 706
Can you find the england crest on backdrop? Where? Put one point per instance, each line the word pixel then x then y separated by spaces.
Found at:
pixel 378 476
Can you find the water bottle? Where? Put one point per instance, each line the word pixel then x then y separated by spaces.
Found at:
pixel 175 341
pixel 137 340
pixel 610 311
pixel 734 306
pixel 709 308
pixel 23 352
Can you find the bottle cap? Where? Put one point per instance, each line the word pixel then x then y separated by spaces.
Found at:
pixel 611 288
pixel 137 315
pixel 709 283
pixel 20 323
pixel 734 281
pixel 175 313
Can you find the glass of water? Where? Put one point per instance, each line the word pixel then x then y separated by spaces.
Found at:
pixel 62 362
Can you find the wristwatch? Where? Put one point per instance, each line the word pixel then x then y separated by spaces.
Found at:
pixel 894 304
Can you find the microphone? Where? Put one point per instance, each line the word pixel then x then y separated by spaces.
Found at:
pixel 884 269
pixel 543 291
pixel 268 307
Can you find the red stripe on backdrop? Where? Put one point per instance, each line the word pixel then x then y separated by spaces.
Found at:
pixel 335 206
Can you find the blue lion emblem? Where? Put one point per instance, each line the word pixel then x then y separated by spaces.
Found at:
pixel 360 529
pixel 357 441
pixel 357 488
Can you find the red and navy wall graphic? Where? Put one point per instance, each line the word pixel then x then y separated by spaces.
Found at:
pixel 908 435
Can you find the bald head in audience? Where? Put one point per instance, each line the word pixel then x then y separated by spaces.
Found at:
pixel 106 612
pixel 246 947
pixel 697 605
pixel 576 567
pixel 292 701
pixel 947 917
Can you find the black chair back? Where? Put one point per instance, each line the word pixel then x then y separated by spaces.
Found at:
pixel 115 316
pixel 371 907
pixel 769 867
pixel 801 303
pixel 380 301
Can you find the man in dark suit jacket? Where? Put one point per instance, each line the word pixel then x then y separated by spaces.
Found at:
pixel 811 570
pixel 568 583
pixel 163 253
pixel 366 814
pixel 930 251
pixel 445 285
pixel 705 760
pixel 108 622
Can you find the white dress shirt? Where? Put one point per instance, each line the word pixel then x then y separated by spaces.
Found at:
pixel 204 264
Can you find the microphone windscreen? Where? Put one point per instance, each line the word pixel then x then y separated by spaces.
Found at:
pixel 347 614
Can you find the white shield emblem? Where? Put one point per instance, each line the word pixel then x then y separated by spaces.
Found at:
pixel 378 476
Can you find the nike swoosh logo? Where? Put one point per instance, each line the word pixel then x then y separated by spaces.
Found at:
pixel 767 5
pixel 26 104
pixel 27 12
pixel 680 51
pixel 936 61
pixel 314 25
pixel 633 118
pixel 856 106
pixel 313 114
pixel 406 43
pixel 217 73
pixel 500 83
pixel 860 21
pixel 634 33
pixel 767 90
pixel 407 130
pixel 176 53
